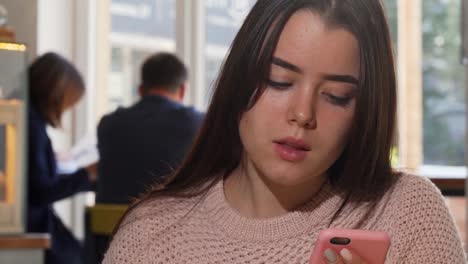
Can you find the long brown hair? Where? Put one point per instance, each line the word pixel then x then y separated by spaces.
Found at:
pixel 363 170
pixel 50 77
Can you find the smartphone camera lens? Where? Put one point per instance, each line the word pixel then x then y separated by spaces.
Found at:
pixel 340 241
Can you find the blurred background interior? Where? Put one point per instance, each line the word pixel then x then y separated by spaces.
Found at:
pixel 108 40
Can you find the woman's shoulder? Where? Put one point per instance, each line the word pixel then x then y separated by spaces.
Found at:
pixel 420 224
pixel 411 180
pixel 411 203
pixel 158 211
pixel 414 187
pixel 413 193
pixel 411 199
pixel 144 223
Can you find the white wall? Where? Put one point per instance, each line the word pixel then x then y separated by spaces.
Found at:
pixel 56 27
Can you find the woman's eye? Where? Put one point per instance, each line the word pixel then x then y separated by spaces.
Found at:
pixel 278 85
pixel 338 100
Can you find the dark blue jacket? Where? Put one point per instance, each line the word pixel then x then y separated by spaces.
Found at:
pixel 45 187
pixel 140 144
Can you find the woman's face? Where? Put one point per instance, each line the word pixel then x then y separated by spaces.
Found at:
pixel 71 97
pixel 300 125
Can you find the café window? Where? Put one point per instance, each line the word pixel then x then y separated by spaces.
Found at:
pixel 139 28
pixel 223 18
pixel 443 84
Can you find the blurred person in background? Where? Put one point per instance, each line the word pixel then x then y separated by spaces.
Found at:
pixel 141 144
pixel 55 86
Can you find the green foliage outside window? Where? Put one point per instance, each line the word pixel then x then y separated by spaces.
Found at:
pixel 443 82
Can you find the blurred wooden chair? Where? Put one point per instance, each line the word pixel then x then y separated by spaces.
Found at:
pixel 100 221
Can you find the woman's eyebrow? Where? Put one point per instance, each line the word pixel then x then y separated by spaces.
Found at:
pixel 286 65
pixel 341 78
pixel 331 77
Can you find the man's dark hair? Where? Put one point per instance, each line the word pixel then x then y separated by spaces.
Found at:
pixel 163 71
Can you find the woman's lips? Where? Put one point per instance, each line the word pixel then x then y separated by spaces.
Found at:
pixel 291 150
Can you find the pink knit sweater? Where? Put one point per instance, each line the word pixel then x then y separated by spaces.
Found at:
pixel 413 213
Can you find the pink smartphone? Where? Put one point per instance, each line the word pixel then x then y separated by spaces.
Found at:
pixel 372 246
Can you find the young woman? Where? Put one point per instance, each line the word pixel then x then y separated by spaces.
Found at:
pixel 296 140
pixel 54 86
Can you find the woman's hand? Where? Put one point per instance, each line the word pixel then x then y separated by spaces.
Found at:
pixel 92 171
pixel 345 256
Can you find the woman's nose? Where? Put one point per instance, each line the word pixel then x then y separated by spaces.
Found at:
pixel 302 111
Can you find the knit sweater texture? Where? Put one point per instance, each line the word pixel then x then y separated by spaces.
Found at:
pixel 207 230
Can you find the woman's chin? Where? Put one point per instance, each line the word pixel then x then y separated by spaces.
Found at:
pixel 286 180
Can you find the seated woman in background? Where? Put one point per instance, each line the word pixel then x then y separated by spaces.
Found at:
pixel 296 140
pixel 54 87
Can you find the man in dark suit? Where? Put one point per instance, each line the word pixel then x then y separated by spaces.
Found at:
pixel 141 144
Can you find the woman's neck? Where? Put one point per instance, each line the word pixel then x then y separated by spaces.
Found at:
pixel 252 195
